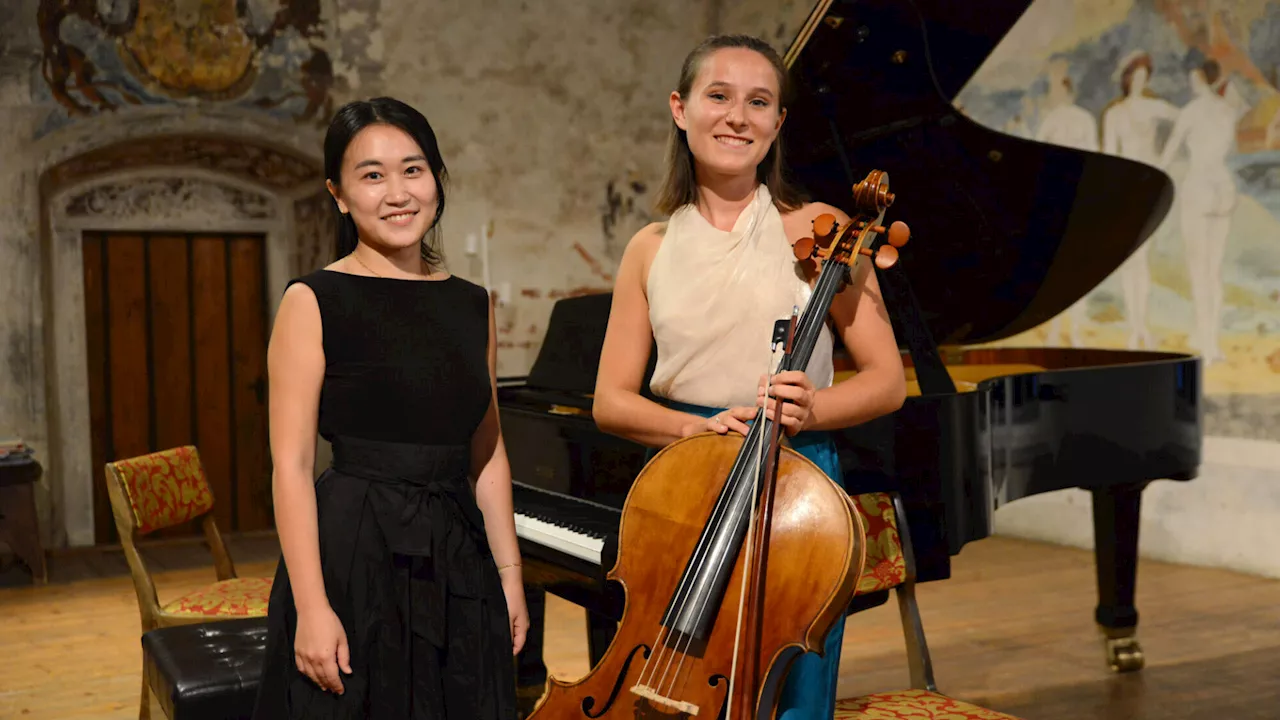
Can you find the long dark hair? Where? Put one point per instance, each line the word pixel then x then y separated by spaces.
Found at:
pixel 680 187
pixel 358 115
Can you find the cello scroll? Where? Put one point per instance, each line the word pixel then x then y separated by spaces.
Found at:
pixel 871 199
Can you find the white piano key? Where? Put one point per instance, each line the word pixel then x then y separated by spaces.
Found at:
pixel 558 538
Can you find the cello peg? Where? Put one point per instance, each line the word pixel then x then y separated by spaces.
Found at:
pixel 886 257
pixel 803 248
pixel 899 234
pixel 824 225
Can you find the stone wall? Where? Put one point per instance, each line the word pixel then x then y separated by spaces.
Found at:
pixel 551 116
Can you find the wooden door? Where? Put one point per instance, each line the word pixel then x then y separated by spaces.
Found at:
pixel 176 335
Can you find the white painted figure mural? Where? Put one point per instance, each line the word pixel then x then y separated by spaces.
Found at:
pixel 1069 125
pixel 1129 126
pixel 1190 87
pixel 1206 127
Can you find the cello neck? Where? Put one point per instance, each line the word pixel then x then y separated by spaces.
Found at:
pixel 814 316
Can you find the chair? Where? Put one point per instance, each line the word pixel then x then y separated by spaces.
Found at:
pixel 161 490
pixel 912 705
pixel 891 566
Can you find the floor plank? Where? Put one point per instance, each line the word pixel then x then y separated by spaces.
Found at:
pixel 1011 630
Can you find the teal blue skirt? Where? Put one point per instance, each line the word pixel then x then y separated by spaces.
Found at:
pixel 809 692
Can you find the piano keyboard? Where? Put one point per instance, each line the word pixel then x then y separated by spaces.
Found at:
pixel 557 537
pixel 571 526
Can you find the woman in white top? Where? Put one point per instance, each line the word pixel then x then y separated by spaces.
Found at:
pixel 709 284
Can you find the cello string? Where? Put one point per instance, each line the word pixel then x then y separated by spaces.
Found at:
pixel 762 429
pixel 747 566
pixel 680 601
pixel 683 643
pixel 723 505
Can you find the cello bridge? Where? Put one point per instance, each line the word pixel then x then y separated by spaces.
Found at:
pixel 652 695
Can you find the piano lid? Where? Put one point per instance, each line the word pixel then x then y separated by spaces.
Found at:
pixel 1006 232
pixel 570 354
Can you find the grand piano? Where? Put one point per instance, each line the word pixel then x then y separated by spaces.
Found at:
pixel 1006 234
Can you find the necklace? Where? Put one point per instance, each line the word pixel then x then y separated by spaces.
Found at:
pixel 366 267
pixel 356 257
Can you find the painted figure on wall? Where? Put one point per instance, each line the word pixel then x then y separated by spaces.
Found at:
pixel 1129 127
pixel 1206 126
pixel 1069 125
pixel 99 55
pixel 1190 87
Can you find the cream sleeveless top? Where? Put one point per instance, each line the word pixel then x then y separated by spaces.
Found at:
pixel 714 297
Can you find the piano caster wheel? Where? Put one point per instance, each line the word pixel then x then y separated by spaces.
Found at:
pixel 1124 653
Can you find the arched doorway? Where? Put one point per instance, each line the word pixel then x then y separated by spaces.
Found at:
pixel 164 259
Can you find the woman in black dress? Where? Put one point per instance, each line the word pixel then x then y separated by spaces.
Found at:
pixel 399 593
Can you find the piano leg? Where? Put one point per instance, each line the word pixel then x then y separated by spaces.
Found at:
pixel 1116 512
pixel 600 632
pixel 531 670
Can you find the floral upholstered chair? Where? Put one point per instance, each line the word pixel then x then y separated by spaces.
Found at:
pixel 161 490
pixel 912 705
pixel 891 566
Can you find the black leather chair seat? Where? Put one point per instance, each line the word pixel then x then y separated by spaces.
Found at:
pixel 205 671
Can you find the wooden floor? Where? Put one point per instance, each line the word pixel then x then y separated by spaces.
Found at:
pixel 1012 630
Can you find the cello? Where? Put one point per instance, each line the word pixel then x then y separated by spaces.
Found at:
pixel 735 553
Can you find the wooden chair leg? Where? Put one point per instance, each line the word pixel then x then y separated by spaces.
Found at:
pixel 144 706
pixel 918 660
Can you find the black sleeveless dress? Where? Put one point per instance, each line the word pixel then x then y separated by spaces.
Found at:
pixel 403 551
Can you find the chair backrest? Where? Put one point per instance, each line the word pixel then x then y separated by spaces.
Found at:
pixel 888 565
pixel 156 491
pixel 163 489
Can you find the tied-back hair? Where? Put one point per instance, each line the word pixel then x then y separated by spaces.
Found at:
pixel 346 124
pixel 680 186
pixel 1135 61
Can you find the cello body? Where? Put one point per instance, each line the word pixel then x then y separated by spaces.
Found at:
pixel 815 556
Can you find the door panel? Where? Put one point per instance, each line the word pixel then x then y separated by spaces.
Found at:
pixel 176 339
pixel 213 370
pixel 170 342
pixel 95 325
pixel 249 383
pixel 128 377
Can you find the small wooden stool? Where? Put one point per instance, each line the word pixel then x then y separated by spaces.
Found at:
pixel 205 671
pixel 19 526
